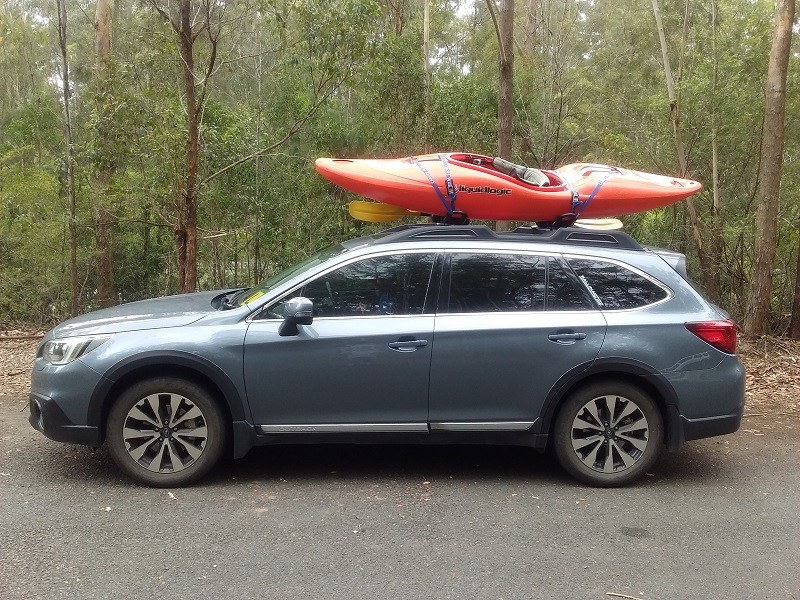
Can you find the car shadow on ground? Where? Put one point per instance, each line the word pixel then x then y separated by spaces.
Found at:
pixel 696 462
pixel 388 462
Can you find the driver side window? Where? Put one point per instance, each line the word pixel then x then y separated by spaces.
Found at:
pixel 382 285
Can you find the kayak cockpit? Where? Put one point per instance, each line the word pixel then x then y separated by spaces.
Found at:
pixel 522 173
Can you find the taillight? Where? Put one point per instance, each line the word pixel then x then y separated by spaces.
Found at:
pixel 720 334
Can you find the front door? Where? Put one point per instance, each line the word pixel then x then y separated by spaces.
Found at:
pixel 362 365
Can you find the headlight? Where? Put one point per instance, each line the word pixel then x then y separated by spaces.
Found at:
pixel 65 350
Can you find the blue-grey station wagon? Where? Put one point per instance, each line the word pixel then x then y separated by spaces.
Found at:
pixel 584 341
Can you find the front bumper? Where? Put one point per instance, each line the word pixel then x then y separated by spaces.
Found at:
pixel 59 402
pixel 47 417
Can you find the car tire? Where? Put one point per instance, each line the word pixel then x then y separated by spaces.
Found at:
pixel 608 433
pixel 166 432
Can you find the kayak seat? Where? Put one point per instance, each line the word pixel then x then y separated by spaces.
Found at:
pixel 521 172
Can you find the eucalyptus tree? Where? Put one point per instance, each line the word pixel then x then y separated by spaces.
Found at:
pixel 324 39
pixel 758 304
pixel 104 157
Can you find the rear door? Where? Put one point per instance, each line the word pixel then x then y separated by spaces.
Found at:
pixel 509 326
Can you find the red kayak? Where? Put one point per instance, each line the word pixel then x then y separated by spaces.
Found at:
pixel 460 185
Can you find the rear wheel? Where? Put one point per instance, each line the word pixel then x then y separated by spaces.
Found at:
pixel 608 434
pixel 165 432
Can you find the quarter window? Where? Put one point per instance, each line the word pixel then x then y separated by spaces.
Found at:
pixel 614 286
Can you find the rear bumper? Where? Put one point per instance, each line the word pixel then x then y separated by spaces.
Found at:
pixel 47 417
pixel 681 429
pixel 695 429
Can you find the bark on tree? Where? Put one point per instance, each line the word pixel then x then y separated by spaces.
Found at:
pixel 714 282
pixel 186 230
pixel 675 118
pixel 794 325
pixel 758 303
pixel 194 90
pixel 104 166
pixel 505 108
pixel 426 50
pixel 69 160
pixel 531 25
pixel 504 28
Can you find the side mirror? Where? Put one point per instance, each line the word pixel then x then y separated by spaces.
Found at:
pixel 297 311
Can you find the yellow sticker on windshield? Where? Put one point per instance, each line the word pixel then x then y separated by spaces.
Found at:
pixel 254 297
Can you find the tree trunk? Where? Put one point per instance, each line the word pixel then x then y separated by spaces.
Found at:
pixel 714 281
pixel 505 106
pixel 758 304
pixel 531 25
pixel 505 99
pixel 186 232
pixel 794 325
pixel 426 51
pixel 104 163
pixel 70 163
pixel 675 118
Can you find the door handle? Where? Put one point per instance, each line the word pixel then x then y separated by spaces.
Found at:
pixel 566 337
pixel 407 345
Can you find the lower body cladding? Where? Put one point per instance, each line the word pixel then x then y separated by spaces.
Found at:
pixel 514 433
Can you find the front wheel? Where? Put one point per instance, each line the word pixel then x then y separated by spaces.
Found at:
pixel 608 434
pixel 165 432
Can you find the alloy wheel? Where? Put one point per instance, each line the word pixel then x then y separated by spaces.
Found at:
pixel 609 433
pixel 165 432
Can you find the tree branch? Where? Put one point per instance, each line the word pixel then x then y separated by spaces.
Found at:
pixel 493 13
pixel 292 130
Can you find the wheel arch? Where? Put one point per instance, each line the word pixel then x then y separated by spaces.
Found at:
pixel 165 364
pixel 631 371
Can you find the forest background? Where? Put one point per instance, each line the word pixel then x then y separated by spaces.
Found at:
pixel 155 146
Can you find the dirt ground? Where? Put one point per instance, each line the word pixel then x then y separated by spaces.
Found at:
pixel 773 372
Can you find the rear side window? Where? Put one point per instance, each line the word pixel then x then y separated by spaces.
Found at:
pixel 614 286
pixel 483 282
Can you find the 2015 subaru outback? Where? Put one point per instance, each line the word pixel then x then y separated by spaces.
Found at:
pixel 444 334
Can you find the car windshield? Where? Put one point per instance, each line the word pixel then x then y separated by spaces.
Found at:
pixel 254 293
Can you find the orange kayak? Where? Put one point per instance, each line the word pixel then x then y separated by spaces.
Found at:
pixel 481 187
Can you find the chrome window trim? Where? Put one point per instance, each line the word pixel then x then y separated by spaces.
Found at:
pixel 481 425
pixel 352 259
pixel 345 428
pixel 351 317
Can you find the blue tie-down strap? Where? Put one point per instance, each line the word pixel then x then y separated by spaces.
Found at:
pixel 450 205
pixel 580 206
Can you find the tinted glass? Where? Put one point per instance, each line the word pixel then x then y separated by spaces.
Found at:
pixel 383 285
pixel 497 282
pixel 511 282
pixel 616 287
pixel 562 293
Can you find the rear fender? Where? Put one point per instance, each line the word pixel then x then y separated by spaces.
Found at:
pixel 636 372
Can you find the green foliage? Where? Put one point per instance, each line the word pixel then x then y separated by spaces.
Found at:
pixel 589 87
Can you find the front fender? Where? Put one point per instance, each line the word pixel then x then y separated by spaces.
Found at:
pixel 163 362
